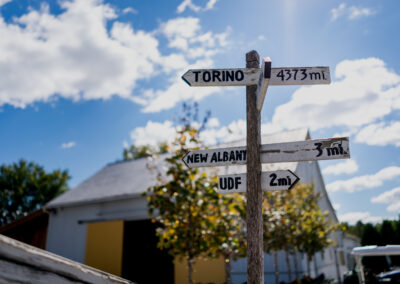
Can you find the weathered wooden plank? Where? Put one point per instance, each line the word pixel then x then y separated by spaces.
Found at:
pixel 11 272
pixel 307 150
pixel 254 221
pixel 271 180
pixel 215 157
pixel 222 77
pixel 264 81
pixel 300 76
pixel 13 250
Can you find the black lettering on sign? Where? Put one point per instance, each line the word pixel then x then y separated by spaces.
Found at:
pixel 282 181
pixel 295 73
pixel 281 75
pixel 216 75
pixel 316 75
pixel 206 76
pixel 214 157
pixel 239 75
pixel 189 159
pixel 196 158
pixel 226 156
pixel 303 72
pixel 230 183
pixel 219 157
pixel 237 182
pixel 222 183
pixel 244 155
pixel 288 73
pixel 230 75
pixel 323 75
pixel 203 157
pixel 273 178
pixel 332 151
pixel 196 75
pixel 238 155
pixel 232 156
pixel 319 148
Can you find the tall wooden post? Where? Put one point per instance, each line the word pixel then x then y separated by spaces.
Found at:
pixel 255 254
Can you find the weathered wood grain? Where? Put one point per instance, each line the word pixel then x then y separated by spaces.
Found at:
pixel 264 81
pixel 255 254
pixel 41 260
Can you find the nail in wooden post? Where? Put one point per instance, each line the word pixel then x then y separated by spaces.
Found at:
pixel 255 254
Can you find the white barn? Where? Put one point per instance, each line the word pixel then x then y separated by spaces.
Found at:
pixel 93 222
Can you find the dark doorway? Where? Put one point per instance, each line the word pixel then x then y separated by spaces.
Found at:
pixel 142 261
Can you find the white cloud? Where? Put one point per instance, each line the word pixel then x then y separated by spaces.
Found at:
pixel 185 35
pixel 153 133
pixel 366 91
pixel 351 12
pixel 336 206
pixel 68 145
pixel 380 134
pixel 391 197
pixel 73 55
pixel 364 182
pixel 3 2
pixel 346 167
pixel 190 5
pixel 353 217
pixel 130 10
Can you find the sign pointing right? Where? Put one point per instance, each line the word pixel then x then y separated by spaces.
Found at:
pixel 273 180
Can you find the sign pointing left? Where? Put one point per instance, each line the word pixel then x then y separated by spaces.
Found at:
pixel 222 77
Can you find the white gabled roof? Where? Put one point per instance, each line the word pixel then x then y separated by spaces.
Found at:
pixel 129 179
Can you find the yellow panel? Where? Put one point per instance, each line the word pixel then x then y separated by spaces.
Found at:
pixel 204 271
pixel 104 245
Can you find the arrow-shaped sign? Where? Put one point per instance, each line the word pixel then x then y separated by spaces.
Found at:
pixel 222 77
pixel 251 76
pixel 273 180
pixel 308 150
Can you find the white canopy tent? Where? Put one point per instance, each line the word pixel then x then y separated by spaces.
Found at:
pixel 360 252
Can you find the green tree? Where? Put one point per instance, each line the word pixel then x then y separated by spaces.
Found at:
pixel 388 236
pixel 134 152
pixel 370 236
pixel 25 187
pixel 195 220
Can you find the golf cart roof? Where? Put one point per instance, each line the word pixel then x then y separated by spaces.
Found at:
pixel 376 250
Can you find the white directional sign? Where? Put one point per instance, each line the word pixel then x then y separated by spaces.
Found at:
pixel 222 77
pixel 308 150
pixel 251 76
pixel 274 180
pixel 300 76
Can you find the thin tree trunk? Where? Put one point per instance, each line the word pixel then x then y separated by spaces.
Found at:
pixel 276 267
pixel 288 265
pixel 315 266
pixel 296 265
pixel 190 270
pixel 228 270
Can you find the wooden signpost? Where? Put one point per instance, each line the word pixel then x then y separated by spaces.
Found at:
pixel 274 180
pixel 257 80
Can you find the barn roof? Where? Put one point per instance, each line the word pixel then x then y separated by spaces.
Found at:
pixel 130 178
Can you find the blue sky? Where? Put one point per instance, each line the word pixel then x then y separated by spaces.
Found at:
pixel 81 79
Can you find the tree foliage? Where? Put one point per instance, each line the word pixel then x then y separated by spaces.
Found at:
pixel 25 187
pixel 195 220
pixel 134 152
pixel 293 221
